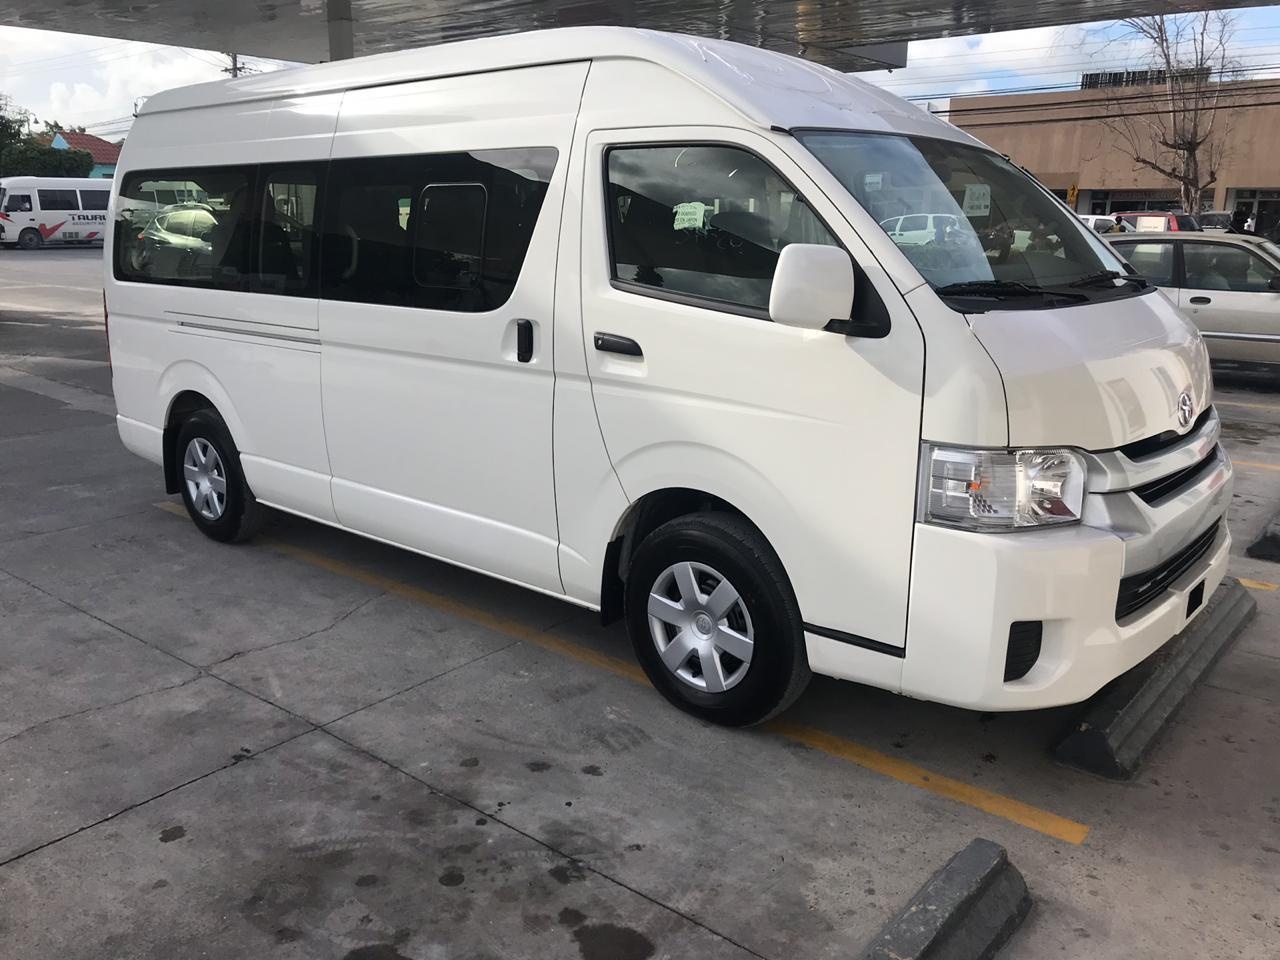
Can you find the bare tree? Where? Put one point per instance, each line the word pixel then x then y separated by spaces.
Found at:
pixel 1182 130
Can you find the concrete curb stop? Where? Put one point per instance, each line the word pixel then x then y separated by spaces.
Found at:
pixel 965 911
pixel 1119 725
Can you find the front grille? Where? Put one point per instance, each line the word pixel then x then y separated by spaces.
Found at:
pixel 1140 589
pixel 1024 648
pixel 1157 490
pixel 1162 441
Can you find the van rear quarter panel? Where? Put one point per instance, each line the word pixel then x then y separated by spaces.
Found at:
pixel 163 342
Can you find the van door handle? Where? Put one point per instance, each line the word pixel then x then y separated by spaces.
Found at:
pixel 524 340
pixel 612 343
pixel 1200 300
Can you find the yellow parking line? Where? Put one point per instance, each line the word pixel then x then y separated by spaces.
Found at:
pixel 1253 463
pixel 1258 584
pixel 1042 821
pixel 1248 406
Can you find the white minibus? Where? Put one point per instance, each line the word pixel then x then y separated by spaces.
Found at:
pixel 611 314
pixel 35 211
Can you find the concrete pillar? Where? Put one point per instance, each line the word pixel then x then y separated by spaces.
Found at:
pixel 342 43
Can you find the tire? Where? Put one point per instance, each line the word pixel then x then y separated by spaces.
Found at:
pixel 755 681
pixel 30 239
pixel 207 459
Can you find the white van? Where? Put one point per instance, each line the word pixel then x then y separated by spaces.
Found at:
pixel 36 211
pixel 610 314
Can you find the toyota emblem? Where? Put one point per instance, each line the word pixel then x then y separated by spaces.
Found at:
pixel 1186 410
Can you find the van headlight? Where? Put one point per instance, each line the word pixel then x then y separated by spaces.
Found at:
pixel 997 490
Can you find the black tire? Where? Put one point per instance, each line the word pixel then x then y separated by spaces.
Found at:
pixel 778 670
pixel 30 239
pixel 241 515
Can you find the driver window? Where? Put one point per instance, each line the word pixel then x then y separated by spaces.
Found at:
pixel 18 203
pixel 706 221
pixel 1211 266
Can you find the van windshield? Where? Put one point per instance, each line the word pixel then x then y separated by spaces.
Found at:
pixel 978 229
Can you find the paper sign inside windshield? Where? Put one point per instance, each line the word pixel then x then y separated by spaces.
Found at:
pixel 872 181
pixel 690 216
pixel 977 200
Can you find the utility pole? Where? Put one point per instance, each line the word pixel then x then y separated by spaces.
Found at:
pixel 236 68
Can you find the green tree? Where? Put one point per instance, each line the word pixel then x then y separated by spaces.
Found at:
pixel 11 124
pixel 27 158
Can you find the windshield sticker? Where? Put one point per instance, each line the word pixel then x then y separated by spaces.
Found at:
pixel 977 200
pixel 872 181
pixel 690 216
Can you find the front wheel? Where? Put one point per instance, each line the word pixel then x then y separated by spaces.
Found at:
pixel 214 490
pixel 714 621
pixel 30 239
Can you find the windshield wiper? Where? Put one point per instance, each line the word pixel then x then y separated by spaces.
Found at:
pixel 1102 276
pixel 996 289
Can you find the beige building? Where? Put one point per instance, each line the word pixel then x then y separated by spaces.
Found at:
pixel 1054 136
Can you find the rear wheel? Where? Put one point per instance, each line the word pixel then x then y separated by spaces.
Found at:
pixel 714 621
pixel 214 490
pixel 30 239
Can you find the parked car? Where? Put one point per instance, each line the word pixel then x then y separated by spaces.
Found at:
pixel 176 239
pixel 921 228
pixel 1214 220
pixel 1146 221
pixel 1227 283
pixel 1105 223
pixel 966 482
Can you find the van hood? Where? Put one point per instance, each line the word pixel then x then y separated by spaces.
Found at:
pixel 1097 375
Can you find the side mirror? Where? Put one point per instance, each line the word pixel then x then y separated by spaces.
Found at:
pixel 1274 282
pixel 812 285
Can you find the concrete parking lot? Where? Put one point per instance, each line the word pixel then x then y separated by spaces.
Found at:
pixel 316 746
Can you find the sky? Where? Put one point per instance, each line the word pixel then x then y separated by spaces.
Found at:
pixel 94 81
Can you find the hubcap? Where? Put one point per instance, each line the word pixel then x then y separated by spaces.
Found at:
pixel 206 478
pixel 701 627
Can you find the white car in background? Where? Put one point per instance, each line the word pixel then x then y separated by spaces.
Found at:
pixel 920 228
pixel 1104 223
pixel 1227 283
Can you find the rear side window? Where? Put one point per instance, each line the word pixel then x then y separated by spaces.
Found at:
pixel 1187 223
pixel 94 199
pixel 706 221
pixel 288 234
pixel 1152 260
pixel 58 200
pixel 445 231
pixel 157 239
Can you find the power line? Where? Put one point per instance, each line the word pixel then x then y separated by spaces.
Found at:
pixel 1096 118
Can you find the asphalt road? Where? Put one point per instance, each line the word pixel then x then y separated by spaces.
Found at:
pixel 316 746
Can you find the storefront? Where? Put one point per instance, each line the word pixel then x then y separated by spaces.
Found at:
pixel 1264 205
pixel 1118 201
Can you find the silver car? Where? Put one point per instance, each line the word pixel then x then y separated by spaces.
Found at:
pixel 1227 283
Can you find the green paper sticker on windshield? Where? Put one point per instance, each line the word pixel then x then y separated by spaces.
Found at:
pixel 977 200
pixel 690 216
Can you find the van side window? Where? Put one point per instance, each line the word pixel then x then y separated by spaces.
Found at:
pixel 703 220
pixel 94 199
pixel 58 200
pixel 287 235
pixel 440 231
pixel 210 245
pixel 18 203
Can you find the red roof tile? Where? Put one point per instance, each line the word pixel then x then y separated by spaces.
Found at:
pixel 101 150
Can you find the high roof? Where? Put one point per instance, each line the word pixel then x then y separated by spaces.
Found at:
pixel 768 89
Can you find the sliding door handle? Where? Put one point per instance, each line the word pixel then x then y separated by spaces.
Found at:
pixel 612 343
pixel 524 340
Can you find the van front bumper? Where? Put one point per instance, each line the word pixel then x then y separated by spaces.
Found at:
pixel 967 589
